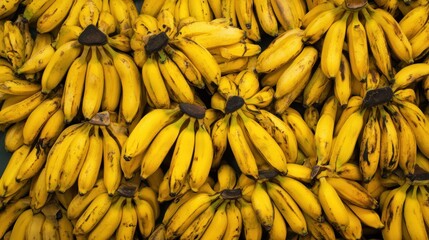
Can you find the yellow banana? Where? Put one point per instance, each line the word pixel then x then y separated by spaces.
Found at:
pixel 370 147
pixel 92 215
pixel 354 230
pixel 262 205
pixel 202 59
pixel 53 16
pixel 34 161
pixel 343 82
pixel 52 128
pixel 112 218
pixel 11 212
pixel 368 217
pixel 112 83
pixel 389 150
pixel 218 225
pixel 22 109
pixel 14 43
pixel 392 212
pixel 92 162
pixel 122 14
pixel 409 74
pixel 149 195
pixel 55 158
pixel 13 138
pixel 182 156
pixel 200 10
pixel 320 24
pixel 9 8
pixel 251 226
pixel 67 33
pixel 112 173
pixel 286 14
pixel 145 131
pixel 274 56
pixel 94 86
pixel 58 65
pixel 397 40
pixel 219 135
pixel 267 18
pixel 316 11
pixel 89 14
pixel 128 225
pixel 235 221
pixel 332 205
pixel 288 208
pixel 151 7
pixel 422 197
pixel 202 158
pixel 279 228
pixel 414 20
pixel 37 61
pixel 21 224
pixel 74 159
pixel 154 84
pixel 80 202
pixel 345 141
pixel 358 48
pixel 324 133
pixel 229 12
pixel 303 196
pixel 34 229
pixel 9 185
pixel 303 133
pixel 418 45
pixel 322 230
pixel 65 227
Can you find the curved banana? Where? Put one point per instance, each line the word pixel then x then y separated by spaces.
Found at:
pixel 112 173
pixel 235 221
pixel 52 129
pixel 11 212
pixel 218 225
pixel 94 86
pixel 112 218
pixel 13 138
pixel 262 205
pixel 370 147
pixel 34 161
pixel 321 23
pixel 38 60
pixel 128 225
pixel 53 16
pixel 267 18
pixel 80 202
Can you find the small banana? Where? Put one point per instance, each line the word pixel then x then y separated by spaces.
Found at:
pixel 53 16
pixel 321 23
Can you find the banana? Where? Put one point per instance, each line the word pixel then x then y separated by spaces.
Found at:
pixel 330 59
pixel 144 132
pixel 368 217
pixel 39 195
pixel 300 67
pixel 152 7
pixel 244 11
pixel 128 225
pixel 19 87
pixel 274 56
pixel 303 134
pixel 200 224
pixel 392 212
pixel 200 10
pixel 11 212
pixel 59 64
pixel 288 208
pixel 358 48
pixel 321 23
pixel 422 197
pixel 154 84
pixel 182 157
pixel 324 132
pixel 91 166
pixel 345 141
pixel 13 138
pixel 251 226
pixel 9 8
pixel 52 129
pixel 343 82
pixel 413 21
pixel 332 205
pixel 94 86
pixel 419 48
pixel 286 14
pixel 89 14
pixel 21 224
pixel 112 218
pixel 202 59
pixel 112 173
pixel 14 43
pixel 65 227
pixel 112 83
pixel 74 159
pixel 35 227
pixel 9 185
pixel 34 9
pixel 38 117
pixel 187 213
pixel 240 148
pixel 55 158
pixel 320 230
pixel 38 60
pixel 202 157
pixel 378 44
pixel 309 204
pixel 370 147
pixel 278 229
pixel 418 123
pixel 22 109
pixel 92 215
pixel 50 228
pixel 235 221
pixel 281 132
pixel 354 230
pixel 262 205
pixel 34 161
pixel 150 195
pixel 218 225
pixel 74 86
pixel 186 66
pixel 80 202
pixel 67 33
pixel 397 40
pixel 219 135
pixel 181 10
pixel 229 12
pixel 389 151
pixel 409 74
pixel 227 178
pixel 122 14
pixel 267 18
pixel 53 16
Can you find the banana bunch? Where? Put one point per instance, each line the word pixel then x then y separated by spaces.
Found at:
pixel 362 27
pixel 50 222
pixel 403 211
pixel 16 43
pixel 218 211
pixel 131 211
pixel 182 129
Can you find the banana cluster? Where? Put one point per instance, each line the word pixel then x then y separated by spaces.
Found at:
pixel 182 129
pixel 131 211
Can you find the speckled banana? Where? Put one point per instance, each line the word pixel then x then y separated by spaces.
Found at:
pixel 320 24
pixel 53 16
pixel 370 147
pixel 324 133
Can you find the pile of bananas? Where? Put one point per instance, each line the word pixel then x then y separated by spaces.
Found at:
pixel 217 119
